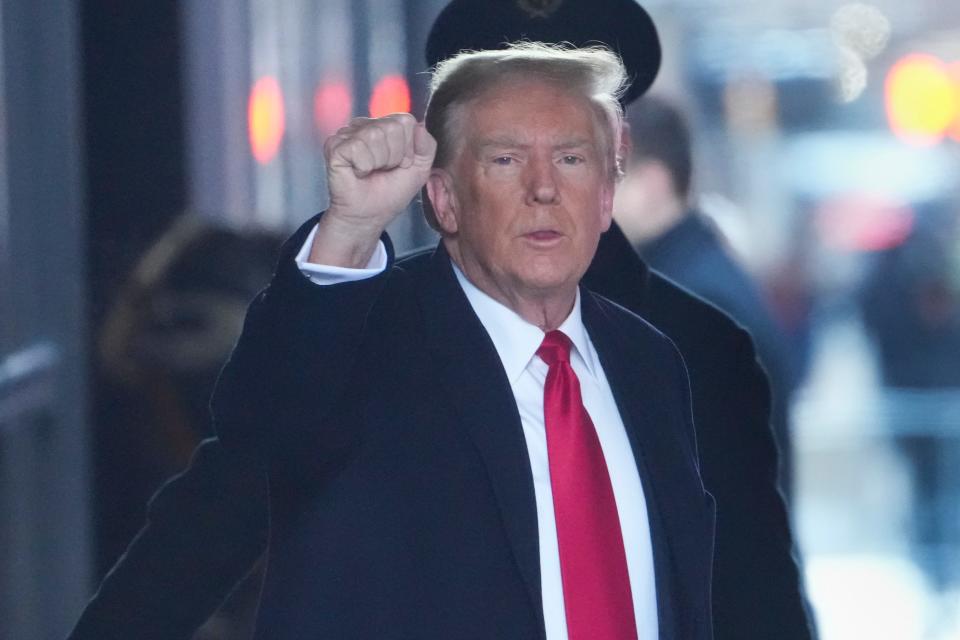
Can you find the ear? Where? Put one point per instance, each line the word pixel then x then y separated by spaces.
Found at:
pixel 443 200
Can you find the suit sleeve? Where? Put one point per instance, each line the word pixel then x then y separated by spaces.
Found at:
pixel 205 529
pixel 291 365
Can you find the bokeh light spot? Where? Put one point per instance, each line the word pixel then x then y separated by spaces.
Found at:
pixel 265 119
pixel 922 99
pixel 332 106
pixel 390 95
pixel 862 222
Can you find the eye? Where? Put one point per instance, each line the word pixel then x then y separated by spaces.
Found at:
pixel 503 161
pixel 571 159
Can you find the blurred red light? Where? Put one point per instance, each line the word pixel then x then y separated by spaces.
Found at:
pixel 390 95
pixel 863 222
pixel 332 106
pixel 265 119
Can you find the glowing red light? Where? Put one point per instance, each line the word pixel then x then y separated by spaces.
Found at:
pixel 390 95
pixel 863 222
pixel 265 119
pixel 332 106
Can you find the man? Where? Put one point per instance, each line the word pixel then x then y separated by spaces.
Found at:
pixel 472 446
pixel 653 209
pixel 208 526
pixel 757 588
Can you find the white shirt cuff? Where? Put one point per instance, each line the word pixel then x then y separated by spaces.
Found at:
pixel 324 274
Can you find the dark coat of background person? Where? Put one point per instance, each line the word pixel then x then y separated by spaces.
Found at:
pixel 694 254
pixel 401 494
pixel 208 526
pixel 757 586
pixel 690 250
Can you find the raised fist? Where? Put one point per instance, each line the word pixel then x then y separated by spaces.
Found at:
pixel 375 167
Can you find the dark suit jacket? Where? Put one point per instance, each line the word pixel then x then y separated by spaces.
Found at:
pixel 207 526
pixel 402 501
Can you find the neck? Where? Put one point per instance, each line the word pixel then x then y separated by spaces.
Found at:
pixel 546 309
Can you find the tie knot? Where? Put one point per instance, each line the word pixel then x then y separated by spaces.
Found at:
pixel 555 348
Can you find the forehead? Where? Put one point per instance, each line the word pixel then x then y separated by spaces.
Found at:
pixel 522 109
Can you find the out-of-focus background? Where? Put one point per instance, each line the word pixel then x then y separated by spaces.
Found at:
pixel 152 155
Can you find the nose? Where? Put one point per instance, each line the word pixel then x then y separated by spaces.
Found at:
pixel 542 182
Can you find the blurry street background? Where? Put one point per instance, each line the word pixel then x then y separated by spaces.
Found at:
pixel 153 154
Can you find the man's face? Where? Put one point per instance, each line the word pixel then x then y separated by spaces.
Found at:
pixel 532 191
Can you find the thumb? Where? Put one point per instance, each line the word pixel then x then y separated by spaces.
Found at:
pixel 424 145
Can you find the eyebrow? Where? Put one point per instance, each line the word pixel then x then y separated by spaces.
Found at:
pixel 510 141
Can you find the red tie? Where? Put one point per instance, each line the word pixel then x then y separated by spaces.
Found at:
pixel 593 565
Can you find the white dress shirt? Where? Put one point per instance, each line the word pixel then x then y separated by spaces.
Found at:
pixel 516 342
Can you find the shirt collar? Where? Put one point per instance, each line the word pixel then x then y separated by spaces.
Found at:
pixel 515 339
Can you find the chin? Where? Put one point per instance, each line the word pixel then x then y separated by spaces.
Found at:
pixel 547 270
pixel 549 283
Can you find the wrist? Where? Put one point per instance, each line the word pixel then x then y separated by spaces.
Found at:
pixel 343 243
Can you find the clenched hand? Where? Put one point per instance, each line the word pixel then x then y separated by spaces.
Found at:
pixel 374 169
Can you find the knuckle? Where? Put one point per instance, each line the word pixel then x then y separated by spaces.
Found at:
pixel 351 149
pixel 388 123
pixel 334 144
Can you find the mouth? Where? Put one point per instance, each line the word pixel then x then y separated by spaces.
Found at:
pixel 543 237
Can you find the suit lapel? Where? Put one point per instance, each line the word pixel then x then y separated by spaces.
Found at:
pixel 473 381
pixel 677 531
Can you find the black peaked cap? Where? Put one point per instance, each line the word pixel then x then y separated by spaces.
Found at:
pixel 622 25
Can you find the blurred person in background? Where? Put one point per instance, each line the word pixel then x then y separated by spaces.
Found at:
pixel 200 534
pixel 910 305
pixel 161 346
pixel 655 210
